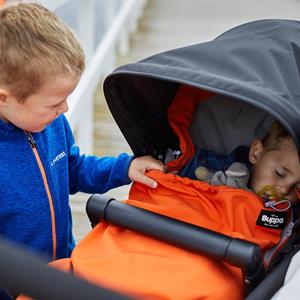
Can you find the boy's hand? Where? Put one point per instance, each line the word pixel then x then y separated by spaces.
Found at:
pixel 142 164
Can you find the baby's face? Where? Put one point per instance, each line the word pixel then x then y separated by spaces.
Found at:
pixel 41 108
pixel 278 168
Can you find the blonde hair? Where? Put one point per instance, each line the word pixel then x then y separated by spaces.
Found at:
pixel 275 136
pixel 35 46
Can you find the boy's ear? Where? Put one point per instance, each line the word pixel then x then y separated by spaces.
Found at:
pixel 255 151
pixel 3 96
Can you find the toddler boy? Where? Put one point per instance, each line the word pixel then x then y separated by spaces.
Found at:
pixel 41 63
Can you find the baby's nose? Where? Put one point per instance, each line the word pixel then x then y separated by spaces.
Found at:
pixel 282 191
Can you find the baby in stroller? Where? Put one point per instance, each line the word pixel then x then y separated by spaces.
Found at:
pixel 272 162
pixel 275 162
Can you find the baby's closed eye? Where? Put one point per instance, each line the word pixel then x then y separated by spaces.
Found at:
pixel 280 173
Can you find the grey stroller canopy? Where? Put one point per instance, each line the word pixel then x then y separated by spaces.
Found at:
pixel 257 63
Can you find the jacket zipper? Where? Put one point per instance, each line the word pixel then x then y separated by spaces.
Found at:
pixel 46 185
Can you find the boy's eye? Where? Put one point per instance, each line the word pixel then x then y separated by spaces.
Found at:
pixel 53 106
pixel 279 174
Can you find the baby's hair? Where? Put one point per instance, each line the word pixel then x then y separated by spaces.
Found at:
pixel 275 136
pixel 35 47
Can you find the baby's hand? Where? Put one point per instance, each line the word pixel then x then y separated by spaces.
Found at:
pixel 140 165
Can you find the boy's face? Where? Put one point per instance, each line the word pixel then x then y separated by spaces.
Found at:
pixel 279 168
pixel 39 109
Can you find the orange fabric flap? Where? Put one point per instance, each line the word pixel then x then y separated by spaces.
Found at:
pixel 180 116
pixel 144 267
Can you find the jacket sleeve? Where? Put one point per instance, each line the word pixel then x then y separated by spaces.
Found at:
pixel 92 174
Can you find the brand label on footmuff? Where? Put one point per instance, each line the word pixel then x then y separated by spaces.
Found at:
pixel 272 219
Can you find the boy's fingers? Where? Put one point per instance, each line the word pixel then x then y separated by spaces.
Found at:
pixel 156 166
pixel 148 181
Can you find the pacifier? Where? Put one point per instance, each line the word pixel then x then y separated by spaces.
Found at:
pixel 273 199
pixel 268 192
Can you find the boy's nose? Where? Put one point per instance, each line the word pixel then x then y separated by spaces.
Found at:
pixel 65 107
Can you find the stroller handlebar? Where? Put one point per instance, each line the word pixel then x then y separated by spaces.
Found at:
pixel 237 252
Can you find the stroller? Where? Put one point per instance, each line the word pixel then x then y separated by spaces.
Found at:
pixel 188 239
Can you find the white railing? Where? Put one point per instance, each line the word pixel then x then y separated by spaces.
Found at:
pixel 100 61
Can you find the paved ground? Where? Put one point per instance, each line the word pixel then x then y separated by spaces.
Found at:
pixel 168 24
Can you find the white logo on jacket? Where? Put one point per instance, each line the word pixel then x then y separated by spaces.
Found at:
pixel 57 158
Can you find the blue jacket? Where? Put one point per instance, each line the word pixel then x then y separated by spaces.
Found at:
pixel 25 207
